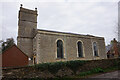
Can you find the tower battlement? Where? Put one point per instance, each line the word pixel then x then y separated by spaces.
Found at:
pixel 28 10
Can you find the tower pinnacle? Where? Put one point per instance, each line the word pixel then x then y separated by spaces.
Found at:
pixel 21 5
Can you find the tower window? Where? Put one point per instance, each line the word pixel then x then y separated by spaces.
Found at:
pixel 80 49
pixel 60 49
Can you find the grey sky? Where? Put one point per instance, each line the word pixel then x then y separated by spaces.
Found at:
pixel 95 17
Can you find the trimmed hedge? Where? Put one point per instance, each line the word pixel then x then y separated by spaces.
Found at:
pixel 54 67
pixel 76 64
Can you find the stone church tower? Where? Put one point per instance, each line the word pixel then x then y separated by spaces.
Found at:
pixel 27 24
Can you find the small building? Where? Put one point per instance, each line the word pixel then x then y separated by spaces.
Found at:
pixel 13 57
pixel 113 49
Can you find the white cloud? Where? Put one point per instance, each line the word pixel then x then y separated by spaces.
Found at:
pixel 59 0
pixel 97 18
pixel 1 21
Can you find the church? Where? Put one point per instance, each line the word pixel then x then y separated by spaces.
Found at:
pixel 43 46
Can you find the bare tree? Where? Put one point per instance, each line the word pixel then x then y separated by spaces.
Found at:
pixel 6 44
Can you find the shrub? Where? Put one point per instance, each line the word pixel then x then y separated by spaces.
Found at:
pixel 74 65
pixel 85 73
pixel 97 70
pixel 54 67
pixel 42 66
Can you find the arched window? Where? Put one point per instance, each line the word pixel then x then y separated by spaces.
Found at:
pixel 80 49
pixel 60 49
pixel 95 49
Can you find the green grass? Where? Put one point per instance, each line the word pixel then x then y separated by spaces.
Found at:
pixel 93 71
pixel 55 66
pixel 96 71
pixel 111 69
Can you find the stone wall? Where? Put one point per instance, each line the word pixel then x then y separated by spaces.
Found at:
pixel 57 70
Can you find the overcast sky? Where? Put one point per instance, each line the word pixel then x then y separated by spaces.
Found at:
pixel 94 17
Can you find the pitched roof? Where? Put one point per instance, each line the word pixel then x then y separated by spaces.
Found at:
pixel 16 47
pixel 67 33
